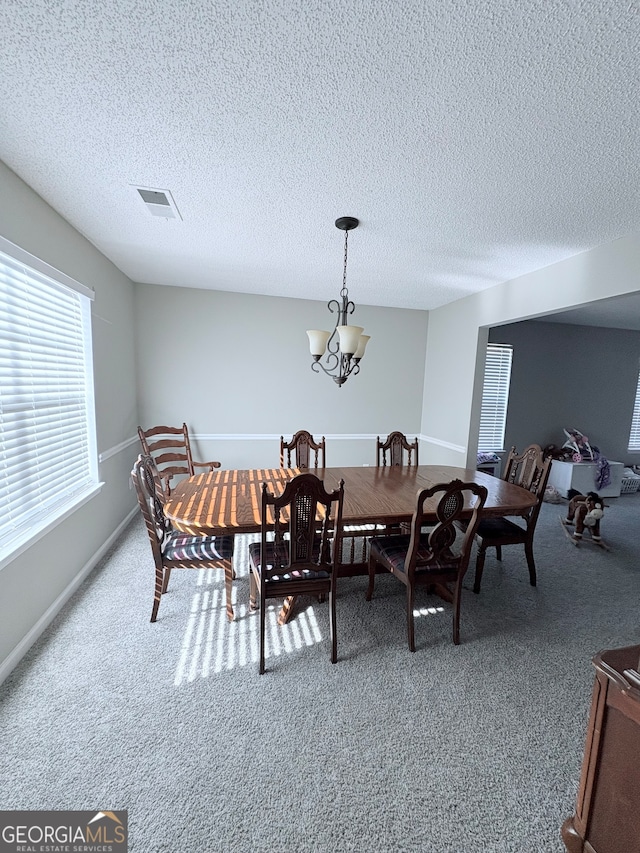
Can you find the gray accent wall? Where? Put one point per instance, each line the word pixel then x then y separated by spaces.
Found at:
pixel 566 376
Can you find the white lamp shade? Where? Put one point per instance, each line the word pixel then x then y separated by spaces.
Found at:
pixel 318 341
pixel 362 345
pixel 349 338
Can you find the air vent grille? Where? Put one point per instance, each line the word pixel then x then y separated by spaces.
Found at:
pixel 154 197
pixel 159 202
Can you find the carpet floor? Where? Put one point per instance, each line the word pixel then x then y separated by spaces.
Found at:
pixel 453 749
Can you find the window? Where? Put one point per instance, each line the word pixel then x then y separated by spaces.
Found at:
pixel 495 397
pixel 634 437
pixel 47 426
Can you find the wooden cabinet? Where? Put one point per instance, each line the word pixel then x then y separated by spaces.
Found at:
pixel 607 815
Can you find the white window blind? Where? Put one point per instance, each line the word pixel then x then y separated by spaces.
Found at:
pixel 634 437
pixel 495 397
pixel 47 425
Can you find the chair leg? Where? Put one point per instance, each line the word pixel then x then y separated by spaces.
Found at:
pixel 229 575
pixel 456 612
pixel 410 625
pixel 167 575
pixel 479 569
pixel 372 578
pixel 262 630
pixel 528 550
pixel 332 626
pixel 498 552
pixel 253 592
pixel 160 582
pixel 233 569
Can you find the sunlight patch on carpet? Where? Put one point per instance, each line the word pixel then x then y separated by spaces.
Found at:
pixel 211 644
pixel 428 611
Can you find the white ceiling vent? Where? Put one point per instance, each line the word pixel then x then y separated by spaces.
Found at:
pixel 159 202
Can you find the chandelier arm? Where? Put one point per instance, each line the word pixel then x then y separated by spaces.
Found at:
pixel 333 344
pixel 346 306
pixel 350 366
pixel 330 367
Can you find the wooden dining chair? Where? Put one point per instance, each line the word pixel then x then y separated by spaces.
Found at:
pixel 530 470
pixel 172 549
pixel 296 555
pixel 171 451
pixel 300 450
pixel 433 559
pixel 396 450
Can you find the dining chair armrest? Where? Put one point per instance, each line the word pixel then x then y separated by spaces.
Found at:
pixel 165 482
pixel 209 465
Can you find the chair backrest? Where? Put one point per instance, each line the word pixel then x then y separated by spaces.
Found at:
pixel 530 470
pixel 292 520
pixel 146 482
pixel 441 539
pixel 393 448
pixel 300 449
pixel 170 449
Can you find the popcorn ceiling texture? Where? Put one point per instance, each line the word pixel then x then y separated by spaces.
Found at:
pixel 475 141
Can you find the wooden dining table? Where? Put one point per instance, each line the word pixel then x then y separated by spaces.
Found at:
pixel 223 502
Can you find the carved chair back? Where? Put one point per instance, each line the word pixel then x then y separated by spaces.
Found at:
pixel 393 450
pixel 530 470
pixel 301 525
pixel 146 481
pixel 301 450
pixel 435 549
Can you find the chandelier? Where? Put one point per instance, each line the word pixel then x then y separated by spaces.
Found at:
pixel 345 345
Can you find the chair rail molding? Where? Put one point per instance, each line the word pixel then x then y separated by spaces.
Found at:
pixel 276 436
pixel 256 436
pixel 459 448
pixel 118 448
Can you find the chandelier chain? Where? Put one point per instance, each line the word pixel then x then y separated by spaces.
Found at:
pixel 344 292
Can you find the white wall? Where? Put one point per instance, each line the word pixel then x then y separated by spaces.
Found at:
pixel 236 364
pixel 34 584
pixel 458 334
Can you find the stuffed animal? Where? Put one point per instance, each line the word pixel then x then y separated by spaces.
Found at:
pixel 594 514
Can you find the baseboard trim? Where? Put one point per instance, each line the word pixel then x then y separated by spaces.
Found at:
pixel 14 658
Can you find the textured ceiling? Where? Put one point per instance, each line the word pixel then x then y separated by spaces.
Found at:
pixel 476 141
